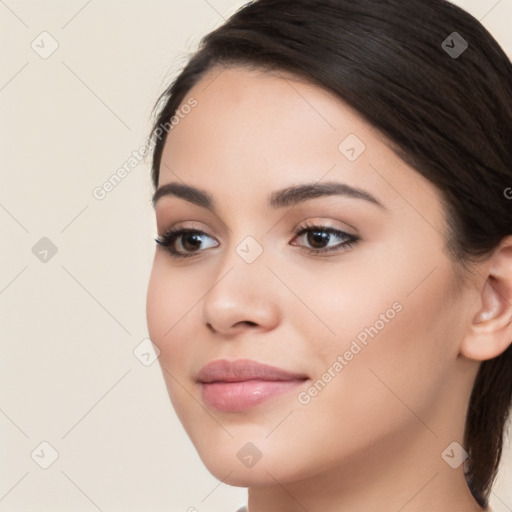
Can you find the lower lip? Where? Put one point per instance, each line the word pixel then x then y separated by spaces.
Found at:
pixel 240 396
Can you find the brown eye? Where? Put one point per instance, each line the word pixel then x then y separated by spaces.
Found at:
pixel 318 237
pixel 189 240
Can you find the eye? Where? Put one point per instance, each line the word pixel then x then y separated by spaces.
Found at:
pixel 189 240
pixel 318 235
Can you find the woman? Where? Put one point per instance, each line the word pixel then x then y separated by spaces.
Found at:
pixel 331 292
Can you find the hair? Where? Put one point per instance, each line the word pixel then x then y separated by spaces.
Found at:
pixel 447 116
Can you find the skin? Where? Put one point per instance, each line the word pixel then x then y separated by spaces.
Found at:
pixel 373 437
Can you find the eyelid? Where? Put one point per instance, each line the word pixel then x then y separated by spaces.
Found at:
pixel 167 240
pixel 192 225
pixel 326 223
pixel 309 223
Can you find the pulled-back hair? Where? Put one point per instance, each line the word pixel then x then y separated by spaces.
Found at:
pixel 445 113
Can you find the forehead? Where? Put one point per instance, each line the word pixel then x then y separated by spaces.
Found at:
pixel 254 131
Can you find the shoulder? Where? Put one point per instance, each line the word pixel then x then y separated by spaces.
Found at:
pixel 244 509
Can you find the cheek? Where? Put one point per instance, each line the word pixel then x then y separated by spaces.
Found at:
pixel 395 330
pixel 157 309
pixel 175 324
pixel 400 357
pixel 168 306
pixel 169 295
pixel 168 313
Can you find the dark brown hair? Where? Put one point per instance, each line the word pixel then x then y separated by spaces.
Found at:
pixel 447 114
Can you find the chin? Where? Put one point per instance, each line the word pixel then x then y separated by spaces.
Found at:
pixel 235 476
pixel 241 464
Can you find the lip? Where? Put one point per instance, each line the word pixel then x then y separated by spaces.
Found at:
pixel 231 386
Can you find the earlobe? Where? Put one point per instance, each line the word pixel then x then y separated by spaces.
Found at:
pixel 490 332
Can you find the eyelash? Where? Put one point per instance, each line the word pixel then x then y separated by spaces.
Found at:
pixel 171 235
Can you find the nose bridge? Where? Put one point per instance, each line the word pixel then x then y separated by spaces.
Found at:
pixel 244 249
pixel 240 291
pixel 243 269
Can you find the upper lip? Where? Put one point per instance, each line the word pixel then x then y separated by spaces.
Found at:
pixel 223 370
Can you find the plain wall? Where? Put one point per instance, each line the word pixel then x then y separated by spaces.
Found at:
pixel 70 324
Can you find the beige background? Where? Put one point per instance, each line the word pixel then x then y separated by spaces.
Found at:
pixel 68 373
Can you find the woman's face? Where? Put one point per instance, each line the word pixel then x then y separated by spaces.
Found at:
pixel 370 326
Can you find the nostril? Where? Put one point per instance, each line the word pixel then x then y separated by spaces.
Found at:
pixel 210 327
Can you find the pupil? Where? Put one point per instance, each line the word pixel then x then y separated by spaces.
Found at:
pixel 315 237
pixel 189 237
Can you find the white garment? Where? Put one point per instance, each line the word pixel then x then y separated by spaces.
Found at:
pixel 244 509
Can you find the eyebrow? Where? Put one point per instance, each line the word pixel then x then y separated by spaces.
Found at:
pixel 278 199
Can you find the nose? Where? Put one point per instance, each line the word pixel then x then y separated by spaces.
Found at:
pixel 243 296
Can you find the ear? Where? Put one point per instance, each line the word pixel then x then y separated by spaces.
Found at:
pixel 490 332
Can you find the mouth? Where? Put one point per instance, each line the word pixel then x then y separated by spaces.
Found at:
pixel 233 386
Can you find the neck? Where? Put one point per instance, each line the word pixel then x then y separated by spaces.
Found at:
pixel 407 475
